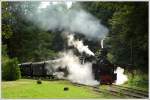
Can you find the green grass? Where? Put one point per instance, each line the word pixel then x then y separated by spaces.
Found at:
pixel 138 81
pixel 27 88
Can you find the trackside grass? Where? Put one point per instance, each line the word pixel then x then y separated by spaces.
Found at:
pixel 27 88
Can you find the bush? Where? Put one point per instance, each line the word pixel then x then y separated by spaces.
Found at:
pixel 139 79
pixel 10 69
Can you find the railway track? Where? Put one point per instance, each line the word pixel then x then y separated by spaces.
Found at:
pixel 139 92
pixel 119 91
pixel 130 92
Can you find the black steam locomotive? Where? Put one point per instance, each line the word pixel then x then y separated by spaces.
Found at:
pixel 102 69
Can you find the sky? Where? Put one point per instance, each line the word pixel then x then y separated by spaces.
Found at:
pixel 45 4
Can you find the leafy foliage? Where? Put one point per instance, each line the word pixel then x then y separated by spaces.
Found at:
pixel 138 80
pixel 27 41
pixel 128 37
pixel 6 26
pixel 130 26
pixel 10 69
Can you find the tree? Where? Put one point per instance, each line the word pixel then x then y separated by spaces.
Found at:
pixel 27 41
pixel 128 35
pixel 130 25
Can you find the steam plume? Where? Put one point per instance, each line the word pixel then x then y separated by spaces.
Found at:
pixel 121 77
pixel 78 73
pixel 79 45
pixel 73 19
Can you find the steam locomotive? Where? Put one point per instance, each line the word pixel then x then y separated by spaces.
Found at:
pixel 102 69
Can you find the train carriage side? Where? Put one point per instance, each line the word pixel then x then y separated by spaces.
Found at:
pixel 39 69
pixel 26 69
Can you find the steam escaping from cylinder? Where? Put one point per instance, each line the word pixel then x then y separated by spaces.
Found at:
pixel 121 77
pixel 79 45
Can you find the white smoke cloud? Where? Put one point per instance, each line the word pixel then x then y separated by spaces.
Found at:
pixel 43 5
pixel 78 73
pixel 60 75
pixel 79 45
pixel 121 77
pixel 68 17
